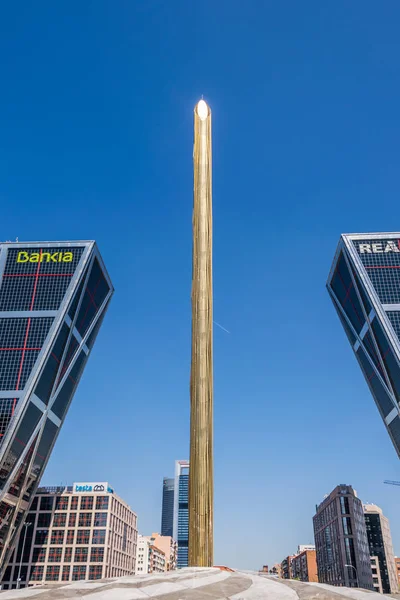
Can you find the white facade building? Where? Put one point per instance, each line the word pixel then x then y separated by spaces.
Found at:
pixel 149 558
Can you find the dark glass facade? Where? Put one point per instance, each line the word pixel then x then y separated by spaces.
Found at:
pixel 167 514
pixel 341 542
pixel 183 522
pixel 364 285
pixel 376 548
pixel 52 297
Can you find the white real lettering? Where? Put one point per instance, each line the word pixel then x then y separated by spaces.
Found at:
pixel 377 248
pixel 391 247
pixel 365 248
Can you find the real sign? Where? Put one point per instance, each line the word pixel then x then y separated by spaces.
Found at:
pixel 382 247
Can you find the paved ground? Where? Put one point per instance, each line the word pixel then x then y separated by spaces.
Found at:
pixel 191 584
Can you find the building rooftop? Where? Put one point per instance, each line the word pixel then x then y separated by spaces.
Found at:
pixel 192 584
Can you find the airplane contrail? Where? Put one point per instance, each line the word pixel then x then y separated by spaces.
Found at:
pixel 220 326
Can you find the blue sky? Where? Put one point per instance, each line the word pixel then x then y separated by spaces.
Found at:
pixel 96 143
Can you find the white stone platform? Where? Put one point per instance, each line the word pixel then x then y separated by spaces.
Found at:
pixel 191 584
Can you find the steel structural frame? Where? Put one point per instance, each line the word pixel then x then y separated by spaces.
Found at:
pixel 352 259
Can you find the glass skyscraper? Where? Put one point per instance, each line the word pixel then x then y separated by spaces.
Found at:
pixel 181 512
pixel 167 513
pixel 53 297
pixel 364 285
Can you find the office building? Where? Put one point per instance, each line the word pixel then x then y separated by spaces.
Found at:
pixel 304 566
pixel 364 285
pixel 167 513
pixel 397 567
pixel 341 540
pixel 84 531
pixel 53 297
pixel 381 547
pixel 181 511
pixel 149 559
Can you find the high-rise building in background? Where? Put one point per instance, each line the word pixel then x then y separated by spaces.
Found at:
pixel 364 284
pixel 167 512
pixel 341 540
pixel 53 297
pixel 84 531
pixel 181 511
pixel 381 547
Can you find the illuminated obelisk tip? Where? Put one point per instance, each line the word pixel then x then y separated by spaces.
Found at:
pixel 201 377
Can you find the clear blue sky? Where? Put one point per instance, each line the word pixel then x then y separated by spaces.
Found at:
pixel 96 142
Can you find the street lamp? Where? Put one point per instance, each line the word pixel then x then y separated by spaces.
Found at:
pixel 26 525
pixel 353 567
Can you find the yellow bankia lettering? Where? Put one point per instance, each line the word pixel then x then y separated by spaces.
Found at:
pixel 35 257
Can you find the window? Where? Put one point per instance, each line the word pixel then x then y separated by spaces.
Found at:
pixel 85 520
pixel 102 503
pixel 60 520
pixel 62 503
pixel 53 573
pixel 86 502
pixel 39 555
pixel 44 520
pixel 42 536
pixel 99 536
pixel 55 555
pixel 34 504
pixel 97 555
pixel 78 572
pixel 74 503
pixel 72 520
pixel 100 519
pixel 65 573
pixel 37 573
pixel 83 536
pixel 95 572
pixel 347 529
pixel 57 536
pixel 68 555
pixel 70 536
pixel 81 555
pixel 344 505
pixel 46 503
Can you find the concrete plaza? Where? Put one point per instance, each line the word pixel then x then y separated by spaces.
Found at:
pixel 192 584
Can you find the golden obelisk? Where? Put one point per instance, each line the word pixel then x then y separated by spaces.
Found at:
pixel 201 485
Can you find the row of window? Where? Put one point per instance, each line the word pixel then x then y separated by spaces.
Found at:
pixel 55 555
pixel 60 519
pixel 122 512
pixel 62 502
pixel 58 536
pixel 53 572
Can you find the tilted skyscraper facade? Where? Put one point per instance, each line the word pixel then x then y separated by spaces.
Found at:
pixel 53 297
pixel 364 284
